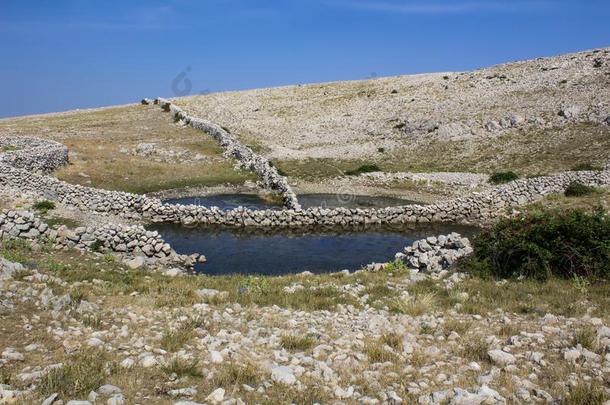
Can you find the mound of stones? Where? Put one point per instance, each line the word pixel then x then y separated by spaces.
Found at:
pixel 130 241
pixel 435 253
pixel 33 154
pixel 246 158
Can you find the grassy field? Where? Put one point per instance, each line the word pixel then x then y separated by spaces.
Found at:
pixel 96 140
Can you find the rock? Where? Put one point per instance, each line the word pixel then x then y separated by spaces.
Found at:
pixel 283 375
pixel 183 392
pixel 501 358
pixel 145 148
pixel 108 390
pixel 116 400
pixel 50 399
pixel 135 263
pixel 11 354
pixel 572 355
pixel 570 112
pixel 215 357
pixel 95 342
pixel 76 402
pixel 148 361
pixel 217 396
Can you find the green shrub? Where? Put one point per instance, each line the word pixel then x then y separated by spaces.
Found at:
pixel 366 168
pixel 503 177
pixel 586 167
pixel 576 189
pixel 44 206
pixel 542 244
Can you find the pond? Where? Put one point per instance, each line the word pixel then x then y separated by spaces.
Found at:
pixel 255 202
pixel 278 252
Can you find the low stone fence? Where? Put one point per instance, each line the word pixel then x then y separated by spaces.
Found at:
pixel 129 241
pixel 475 208
pixel 245 156
pixel 39 155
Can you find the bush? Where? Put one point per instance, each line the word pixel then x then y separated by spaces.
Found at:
pixel 44 206
pixel 503 177
pixel 581 167
pixel 563 244
pixel 576 189
pixel 366 168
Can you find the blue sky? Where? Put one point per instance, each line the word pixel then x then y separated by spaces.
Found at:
pixel 66 54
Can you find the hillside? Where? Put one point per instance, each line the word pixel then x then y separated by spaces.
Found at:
pixel 532 116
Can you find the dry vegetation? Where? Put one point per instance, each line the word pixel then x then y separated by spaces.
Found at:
pixel 96 138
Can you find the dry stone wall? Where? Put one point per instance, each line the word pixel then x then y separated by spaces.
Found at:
pixel 475 208
pixel 38 155
pixel 245 156
pixel 128 240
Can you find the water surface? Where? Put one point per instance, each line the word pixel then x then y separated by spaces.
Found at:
pixel 255 202
pixel 277 252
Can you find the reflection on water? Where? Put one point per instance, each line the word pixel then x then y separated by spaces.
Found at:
pixel 254 202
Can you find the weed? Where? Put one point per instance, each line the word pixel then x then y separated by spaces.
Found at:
pixel 576 189
pixel 297 343
pixel 182 367
pixel 366 168
pixel 44 206
pixel 173 340
pixel 80 374
pixel 503 177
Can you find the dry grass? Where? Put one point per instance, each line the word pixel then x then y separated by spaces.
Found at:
pixel 377 352
pixel 173 340
pixel 415 305
pixel 475 349
pixel 95 140
pixel 296 343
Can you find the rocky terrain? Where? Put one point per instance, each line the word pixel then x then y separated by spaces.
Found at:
pixel 89 330
pixel 396 118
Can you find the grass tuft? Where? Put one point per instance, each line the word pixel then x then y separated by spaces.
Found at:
pixel 295 343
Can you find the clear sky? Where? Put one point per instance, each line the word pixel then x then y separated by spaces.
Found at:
pixel 65 54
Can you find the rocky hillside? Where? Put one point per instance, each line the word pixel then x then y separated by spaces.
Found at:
pixel 545 100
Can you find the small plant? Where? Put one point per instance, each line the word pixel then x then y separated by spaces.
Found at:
pixel 80 374
pixel 581 284
pixel 503 177
pixel 77 295
pixel 416 305
pixel 377 353
pixel 173 340
pixel 297 343
pixel 16 250
pixel 585 394
pixel 366 168
pixel 182 367
pixel 392 340
pixel 97 246
pixel 20 275
pixel 44 206
pixel 475 349
pixel 236 375
pixel 581 167
pixel 587 338
pixel 576 189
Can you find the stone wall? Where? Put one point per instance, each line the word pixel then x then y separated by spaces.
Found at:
pixel 39 155
pixel 127 240
pixel 475 208
pixel 245 156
